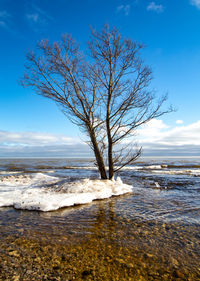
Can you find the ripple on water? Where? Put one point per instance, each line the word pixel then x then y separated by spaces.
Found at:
pixel 151 234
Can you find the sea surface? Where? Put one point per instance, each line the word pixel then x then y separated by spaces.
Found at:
pixel 161 189
pixel 58 221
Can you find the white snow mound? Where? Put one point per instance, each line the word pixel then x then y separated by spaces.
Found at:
pixel 33 193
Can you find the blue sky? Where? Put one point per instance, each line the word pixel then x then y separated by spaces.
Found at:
pixel 32 125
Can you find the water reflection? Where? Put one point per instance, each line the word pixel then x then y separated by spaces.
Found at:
pixel 108 245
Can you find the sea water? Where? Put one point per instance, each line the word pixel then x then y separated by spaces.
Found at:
pixel 144 226
pixel 167 190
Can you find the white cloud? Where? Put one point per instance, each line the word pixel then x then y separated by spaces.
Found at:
pixel 33 17
pixel 158 132
pixel 4 18
pixel 156 138
pixel 155 7
pixel 152 131
pixel 124 8
pixel 35 139
pixel 153 127
pixel 35 144
pixel 195 3
pixel 179 121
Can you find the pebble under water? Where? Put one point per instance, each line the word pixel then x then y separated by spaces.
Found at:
pixel 152 233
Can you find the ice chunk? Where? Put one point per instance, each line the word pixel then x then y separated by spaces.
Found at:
pixel 33 192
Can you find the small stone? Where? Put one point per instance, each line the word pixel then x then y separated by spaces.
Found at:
pixel 174 262
pixel 119 260
pixel 29 272
pixel 16 278
pixel 148 255
pixel 14 253
pixel 130 265
pixel 178 274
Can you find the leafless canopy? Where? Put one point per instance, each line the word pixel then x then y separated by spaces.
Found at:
pixel 106 93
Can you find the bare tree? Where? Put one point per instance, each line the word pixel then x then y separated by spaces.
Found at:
pixel 105 93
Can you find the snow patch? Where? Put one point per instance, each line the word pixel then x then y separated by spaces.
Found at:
pixel 41 192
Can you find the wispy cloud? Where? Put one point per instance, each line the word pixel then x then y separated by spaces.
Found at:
pixel 124 8
pixel 33 17
pixel 158 8
pixel 195 3
pixel 37 17
pixel 4 19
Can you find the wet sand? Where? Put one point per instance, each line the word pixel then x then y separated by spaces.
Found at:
pixel 95 242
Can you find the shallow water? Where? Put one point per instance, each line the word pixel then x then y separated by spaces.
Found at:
pixel 164 190
pixel 152 233
pixel 97 241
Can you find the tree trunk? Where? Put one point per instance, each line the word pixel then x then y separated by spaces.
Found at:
pixel 110 161
pixel 110 147
pixel 98 156
pixel 110 143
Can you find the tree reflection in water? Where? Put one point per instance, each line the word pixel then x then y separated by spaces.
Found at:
pixel 97 242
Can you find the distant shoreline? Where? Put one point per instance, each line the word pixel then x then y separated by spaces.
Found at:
pixel 75 157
